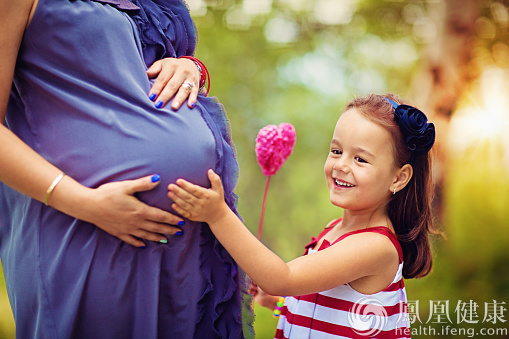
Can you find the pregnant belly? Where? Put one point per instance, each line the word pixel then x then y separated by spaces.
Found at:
pixel 129 146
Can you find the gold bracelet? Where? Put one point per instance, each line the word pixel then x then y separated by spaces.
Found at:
pixel 52 187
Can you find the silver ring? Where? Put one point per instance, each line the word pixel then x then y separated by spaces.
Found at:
pixel 188 84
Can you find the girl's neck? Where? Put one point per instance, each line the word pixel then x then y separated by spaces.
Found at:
pixel 353 220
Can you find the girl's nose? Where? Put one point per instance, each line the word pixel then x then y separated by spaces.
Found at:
pixel 341 165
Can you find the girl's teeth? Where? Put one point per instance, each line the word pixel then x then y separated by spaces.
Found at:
pixel 340 183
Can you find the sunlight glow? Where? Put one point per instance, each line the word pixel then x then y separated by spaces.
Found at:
pixel 485 118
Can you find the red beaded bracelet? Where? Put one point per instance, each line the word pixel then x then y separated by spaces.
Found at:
pixel 204 73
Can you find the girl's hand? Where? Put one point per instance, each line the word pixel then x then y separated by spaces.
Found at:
pixel 198 203
pixel 114 208
pixel 171 74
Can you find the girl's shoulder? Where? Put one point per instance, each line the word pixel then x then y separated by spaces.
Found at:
pixel 379 235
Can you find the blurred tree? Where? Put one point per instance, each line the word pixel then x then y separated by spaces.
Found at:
pixel 444 72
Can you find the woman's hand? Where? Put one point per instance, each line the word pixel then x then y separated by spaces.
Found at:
pixel 114 208
pixel 198 203
pixel 171 74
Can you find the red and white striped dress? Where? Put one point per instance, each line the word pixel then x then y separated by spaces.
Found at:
pixel 342 312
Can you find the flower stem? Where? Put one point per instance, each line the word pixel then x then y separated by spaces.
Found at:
pixel 263 208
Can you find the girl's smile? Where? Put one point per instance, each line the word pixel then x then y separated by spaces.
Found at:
pixel 341 184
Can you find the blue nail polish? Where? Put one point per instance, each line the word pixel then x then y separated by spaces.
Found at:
pixel 192 104
pixel 144 246
pixel 152 96
pixel 179 233
pixel 181 223
pixel 155 178
pixel 159 104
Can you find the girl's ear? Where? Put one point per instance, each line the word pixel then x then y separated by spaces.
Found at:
pixel 403 176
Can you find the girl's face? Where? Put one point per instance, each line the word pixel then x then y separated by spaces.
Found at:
pixel 360 169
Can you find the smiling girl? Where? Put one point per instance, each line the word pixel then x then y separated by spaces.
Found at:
pixel 349 283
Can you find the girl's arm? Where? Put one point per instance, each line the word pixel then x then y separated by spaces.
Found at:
pixel 358 256
pixel 111 207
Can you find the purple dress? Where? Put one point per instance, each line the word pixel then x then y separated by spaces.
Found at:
pixel 80 99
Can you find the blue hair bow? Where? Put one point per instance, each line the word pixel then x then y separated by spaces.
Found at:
pixel 418 133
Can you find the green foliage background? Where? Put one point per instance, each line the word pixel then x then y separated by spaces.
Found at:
pixel 262 83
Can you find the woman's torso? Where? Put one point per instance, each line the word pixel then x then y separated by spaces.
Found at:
pixel 95 121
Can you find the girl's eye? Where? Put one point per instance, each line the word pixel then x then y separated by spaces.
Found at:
pixel 359 159
pixel 336 151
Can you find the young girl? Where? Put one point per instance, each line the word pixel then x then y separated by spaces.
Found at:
pixel 349 283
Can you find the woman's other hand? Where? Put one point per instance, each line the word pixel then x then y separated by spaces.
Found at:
pixel 172 77
pixel 114 208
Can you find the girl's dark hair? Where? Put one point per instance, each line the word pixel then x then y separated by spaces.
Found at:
pixel 410 209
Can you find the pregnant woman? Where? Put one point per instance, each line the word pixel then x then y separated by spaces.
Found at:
pixel 98 252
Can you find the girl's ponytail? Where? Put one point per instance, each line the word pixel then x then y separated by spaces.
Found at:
pixel 410 213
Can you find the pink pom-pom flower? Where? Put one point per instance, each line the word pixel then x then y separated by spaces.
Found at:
pixel 274 144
